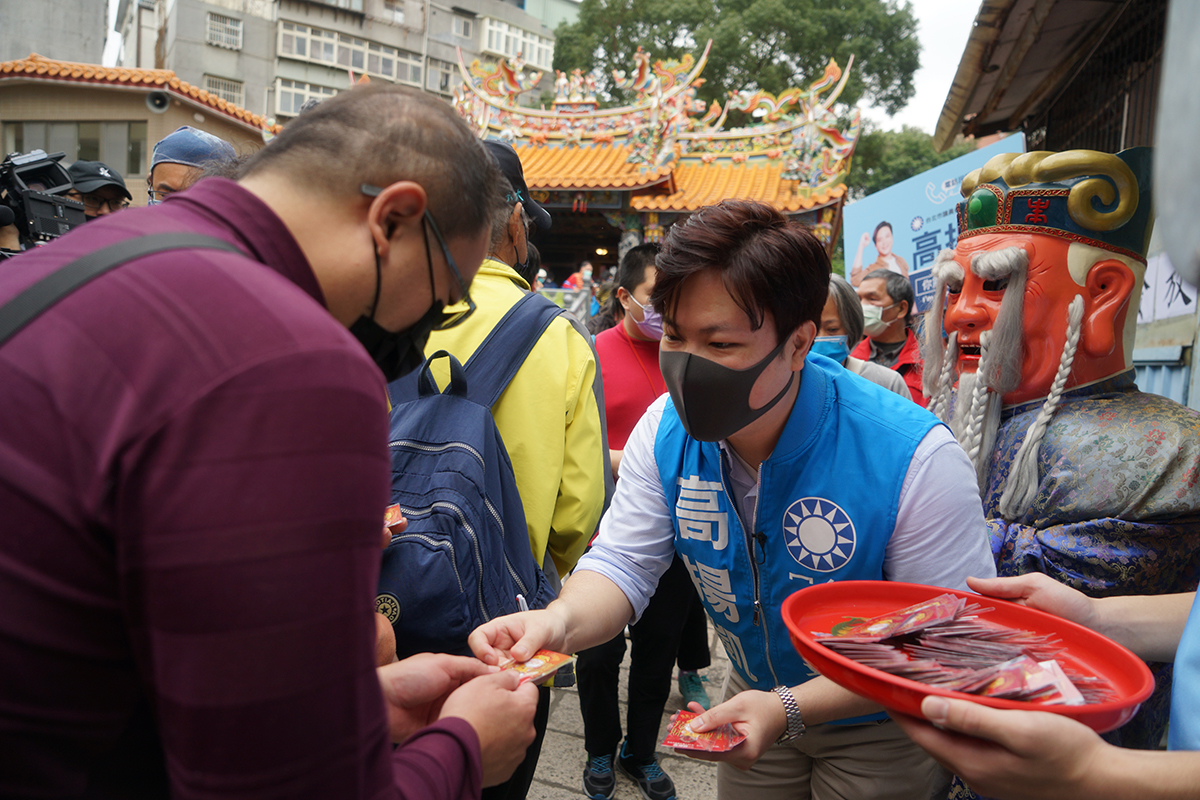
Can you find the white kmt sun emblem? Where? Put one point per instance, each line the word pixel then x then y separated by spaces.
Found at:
pixel 818 533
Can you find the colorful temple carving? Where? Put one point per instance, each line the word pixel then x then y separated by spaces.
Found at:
pixel 646 164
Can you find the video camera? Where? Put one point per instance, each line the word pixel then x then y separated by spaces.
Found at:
pixel 33 186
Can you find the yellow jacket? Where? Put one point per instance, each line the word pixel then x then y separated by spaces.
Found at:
pixel 549 418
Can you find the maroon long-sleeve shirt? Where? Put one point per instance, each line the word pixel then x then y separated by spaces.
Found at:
pixel 193 469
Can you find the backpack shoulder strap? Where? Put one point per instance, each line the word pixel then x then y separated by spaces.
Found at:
pixel 33 301
pixel 495 362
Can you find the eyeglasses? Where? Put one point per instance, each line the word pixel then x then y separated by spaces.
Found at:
pixel 457 313
pixel 94 202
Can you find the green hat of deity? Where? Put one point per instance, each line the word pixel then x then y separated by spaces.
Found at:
pixel 1086 196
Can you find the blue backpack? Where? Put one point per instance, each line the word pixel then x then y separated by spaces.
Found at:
pixel 465 554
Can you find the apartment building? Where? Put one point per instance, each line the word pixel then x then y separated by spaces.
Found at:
pixel 270 56
pixel 66 29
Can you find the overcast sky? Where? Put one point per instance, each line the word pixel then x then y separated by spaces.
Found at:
pixel 942 26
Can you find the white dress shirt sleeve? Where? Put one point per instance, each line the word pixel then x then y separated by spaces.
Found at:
pixel 940 537
pixel 637 539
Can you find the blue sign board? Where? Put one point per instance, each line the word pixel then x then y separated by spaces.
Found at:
pixel 905 226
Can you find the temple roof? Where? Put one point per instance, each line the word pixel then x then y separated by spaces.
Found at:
pixel 666 148
pixel 602 166
pixel 36 67
pixel 701 184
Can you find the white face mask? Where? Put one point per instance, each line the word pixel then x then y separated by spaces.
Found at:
pixel 873 321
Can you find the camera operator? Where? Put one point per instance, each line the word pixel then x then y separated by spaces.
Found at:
pixel 35 202
pixel 99 187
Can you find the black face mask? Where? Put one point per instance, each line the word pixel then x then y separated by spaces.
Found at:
pixel 713 400
pixel 397 354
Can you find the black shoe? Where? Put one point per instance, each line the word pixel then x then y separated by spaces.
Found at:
pixel 648 775
pixel 599 783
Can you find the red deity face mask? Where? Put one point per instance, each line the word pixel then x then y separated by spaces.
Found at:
pixel 1049 291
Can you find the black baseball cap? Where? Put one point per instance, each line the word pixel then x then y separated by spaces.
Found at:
pixel 88 176
pixel 510 164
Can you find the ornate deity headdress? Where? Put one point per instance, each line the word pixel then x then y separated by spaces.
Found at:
pixel 1084 196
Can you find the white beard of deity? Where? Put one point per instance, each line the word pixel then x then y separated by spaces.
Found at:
pixel 979 399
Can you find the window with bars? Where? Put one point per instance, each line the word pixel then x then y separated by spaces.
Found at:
pixel 507 40
pixel 1112 101
pixel 441 76
pixel 290 95
pixel 314 44
pixel 224 31
pixel 229 91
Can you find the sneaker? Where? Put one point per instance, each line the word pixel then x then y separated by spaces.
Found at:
pixel 691 686
pixel 648 775
pixel 599 783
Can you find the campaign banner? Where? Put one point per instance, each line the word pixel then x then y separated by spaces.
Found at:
pixel 1165 294
pixel 903 227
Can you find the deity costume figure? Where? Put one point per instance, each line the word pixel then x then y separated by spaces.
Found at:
pixel 1082 476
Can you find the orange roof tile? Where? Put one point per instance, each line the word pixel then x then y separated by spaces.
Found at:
pixel 704 184
pixel 596 167
pixel 162 79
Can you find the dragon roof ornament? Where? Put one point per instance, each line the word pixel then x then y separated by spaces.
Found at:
pixel 667 124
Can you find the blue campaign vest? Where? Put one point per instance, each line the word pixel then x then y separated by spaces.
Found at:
pixel 827 504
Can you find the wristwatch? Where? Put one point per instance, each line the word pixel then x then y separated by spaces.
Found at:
pixel 795 723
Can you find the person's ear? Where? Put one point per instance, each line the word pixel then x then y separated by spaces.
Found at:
pixel 1108 288
pixel 803 339
pixel 623 297
pixel 516 234
pixel 398 206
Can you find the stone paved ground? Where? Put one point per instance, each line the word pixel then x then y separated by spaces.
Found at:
pixel 560 768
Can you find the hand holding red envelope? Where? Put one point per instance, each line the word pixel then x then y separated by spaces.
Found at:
pixel 539 666
pixel 681 736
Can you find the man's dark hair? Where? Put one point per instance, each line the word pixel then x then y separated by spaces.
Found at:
pixel 898 288
pixel 880 227
pixel 632 271
pixel 380 134
pixel 769 264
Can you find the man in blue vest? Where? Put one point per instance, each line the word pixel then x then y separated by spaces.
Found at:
pixel 768 471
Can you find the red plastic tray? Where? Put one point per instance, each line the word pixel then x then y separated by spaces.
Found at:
pixel 821 607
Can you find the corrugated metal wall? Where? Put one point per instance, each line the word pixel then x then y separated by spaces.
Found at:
pixel 1165 371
